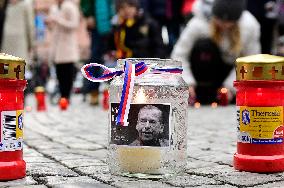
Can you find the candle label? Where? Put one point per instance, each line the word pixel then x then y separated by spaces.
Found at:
pixel 148 125
pixel 11 130
pixel 260 125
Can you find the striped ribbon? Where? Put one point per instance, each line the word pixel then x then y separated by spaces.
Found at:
pixel 130 71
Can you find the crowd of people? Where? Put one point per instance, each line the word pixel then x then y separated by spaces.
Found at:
pixel 206 35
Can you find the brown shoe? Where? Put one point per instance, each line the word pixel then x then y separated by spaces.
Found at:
pixel 94 98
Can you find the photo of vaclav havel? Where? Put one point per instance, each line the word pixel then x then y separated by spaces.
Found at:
pixel 149 125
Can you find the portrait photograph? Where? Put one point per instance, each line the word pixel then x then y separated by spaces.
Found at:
pixel 148 125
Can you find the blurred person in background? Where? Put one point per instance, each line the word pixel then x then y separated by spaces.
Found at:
pixel 63 20
pixel 3 6
pixel 98 14
pixel 265 11
pixel 18 33
pixel 187 9
pixel 167 13
pixel 135 34
pixel 210 44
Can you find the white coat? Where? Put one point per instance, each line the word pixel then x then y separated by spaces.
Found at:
pixel 199 27
pixel 64 45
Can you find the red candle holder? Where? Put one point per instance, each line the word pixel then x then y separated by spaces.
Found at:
pixel 260 102
pixel 105 99
pixel 63 103
pixel 40 98
pixel 12 85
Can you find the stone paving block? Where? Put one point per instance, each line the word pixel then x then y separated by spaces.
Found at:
pixel 279 184
pixel 99 139
pixel 59 181
pixel 229 175
pixel 82 162
pixel 20 182
pixel 98 154
pixel 217 157
pixel 99 172
pixel 31 134
pixel 37 160
pixel 78 143
pixel 49 169
pixel 140 184
pixel 194 163
pixel 64 154
pixel 192 181
pixel 42 144
pixel 29 186
pixel 214 186
pixel 29 152
pixel 83 185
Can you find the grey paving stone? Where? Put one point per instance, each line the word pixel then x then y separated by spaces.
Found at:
pixel 194 163
pixel 82 162
pixel 20 182
pixel 37 159
pixel 229 175
pixel 279 184
pixel 83 185
pixel 68 149
pixel 29 186
pixel 80 181
pixel 44 143
pixel 48 169
pixel 214 186
pixel 29 152
pixel 140 184
pixel 192 181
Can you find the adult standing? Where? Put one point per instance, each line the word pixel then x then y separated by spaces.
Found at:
pixel 63 20
pixel 266 14
pixel 98 14
pixel 3 6
pixel 18 29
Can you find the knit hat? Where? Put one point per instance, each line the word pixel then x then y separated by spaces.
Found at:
pixel 120 3
pixel 229 10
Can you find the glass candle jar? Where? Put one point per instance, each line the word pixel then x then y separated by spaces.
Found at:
pixel 260 101
pixel 12 85
pixel 154 142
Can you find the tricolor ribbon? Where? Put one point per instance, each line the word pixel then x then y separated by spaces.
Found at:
pixel 130 71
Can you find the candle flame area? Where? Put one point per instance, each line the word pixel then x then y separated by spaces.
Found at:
pixel 140 96
pixel 197 105
pixel 214 105
pixel 224 90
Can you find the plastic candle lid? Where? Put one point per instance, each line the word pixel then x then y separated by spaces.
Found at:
pixel 260 67
pixel 12 67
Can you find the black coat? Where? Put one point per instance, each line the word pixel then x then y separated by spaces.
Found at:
pixel 142 38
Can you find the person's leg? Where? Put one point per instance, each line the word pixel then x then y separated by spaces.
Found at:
pixel 208 69
pixel 64 74
pixel 96 57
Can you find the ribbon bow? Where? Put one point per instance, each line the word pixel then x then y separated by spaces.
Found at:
pixel 130 71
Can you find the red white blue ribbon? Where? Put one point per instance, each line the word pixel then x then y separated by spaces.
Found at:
pixel 130 71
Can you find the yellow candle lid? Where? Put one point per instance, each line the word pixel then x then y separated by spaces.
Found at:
pixel 260 67
pixel 39 89
pixel 12 67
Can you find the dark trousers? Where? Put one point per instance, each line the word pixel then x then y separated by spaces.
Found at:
pixel 65 75
pixel 209 70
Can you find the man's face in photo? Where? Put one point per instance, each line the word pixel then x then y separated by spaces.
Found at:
pixel 149 124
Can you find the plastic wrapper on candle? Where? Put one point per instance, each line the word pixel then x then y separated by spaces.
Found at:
pixel 260 101
pixel 12 85
pixel 135 150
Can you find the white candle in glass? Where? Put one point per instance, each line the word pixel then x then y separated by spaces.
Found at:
pixel 139 159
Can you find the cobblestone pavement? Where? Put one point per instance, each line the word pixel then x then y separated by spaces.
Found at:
pixel 68 149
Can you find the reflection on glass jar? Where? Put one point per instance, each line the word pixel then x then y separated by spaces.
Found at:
pixel 154 142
